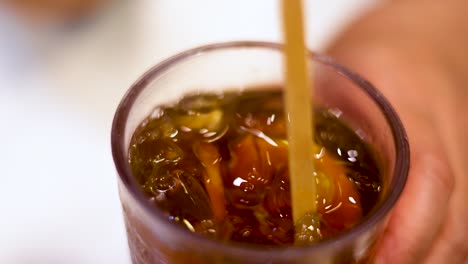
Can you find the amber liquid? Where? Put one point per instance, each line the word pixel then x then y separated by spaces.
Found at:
pixel 217 164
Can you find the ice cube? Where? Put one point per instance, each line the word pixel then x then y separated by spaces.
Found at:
pixel 155 151
pixel 180 194
pixel 278 197
pixel 157 184
pixel 271 124
pixel 210 158
pixel 363 181
pixel 157 128
pixel 200 103
pixel 249 172
pixel 309 229
pixel 277 229
pixel 146 155
pixel 168 129
pixel 206 227
pixel 244 227
pixel 209 125
pixel 338 198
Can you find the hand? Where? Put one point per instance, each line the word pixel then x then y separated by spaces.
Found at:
pixel 415 53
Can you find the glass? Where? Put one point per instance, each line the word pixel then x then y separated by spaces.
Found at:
pixel 238 65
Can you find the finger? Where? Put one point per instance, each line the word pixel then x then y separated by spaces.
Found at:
pixel 452 245
pixel 418 216
pixel 423 209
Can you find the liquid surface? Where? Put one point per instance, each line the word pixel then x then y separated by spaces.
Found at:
pixel 217 164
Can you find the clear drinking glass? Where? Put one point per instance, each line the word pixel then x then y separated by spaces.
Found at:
pixel 237 65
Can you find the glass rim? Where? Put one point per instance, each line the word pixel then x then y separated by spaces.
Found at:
pixel 400 141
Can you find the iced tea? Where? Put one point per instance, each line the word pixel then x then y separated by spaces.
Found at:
pixel 216 164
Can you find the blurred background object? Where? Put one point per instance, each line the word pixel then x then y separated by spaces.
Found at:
pixel 64 66
pixel 52 10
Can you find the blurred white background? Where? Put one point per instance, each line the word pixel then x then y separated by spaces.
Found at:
pixel 59 88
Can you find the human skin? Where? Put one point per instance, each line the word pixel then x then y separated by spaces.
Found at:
pixel 416 53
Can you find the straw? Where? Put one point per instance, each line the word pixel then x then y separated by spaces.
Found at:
pixel 299 112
